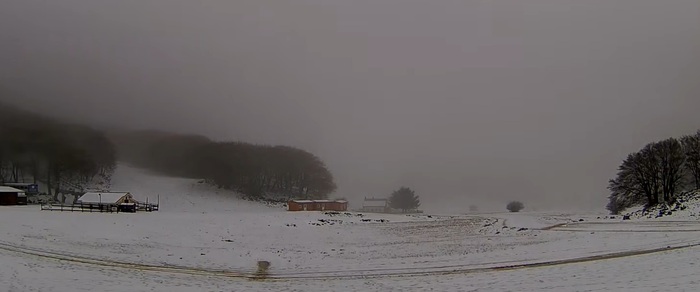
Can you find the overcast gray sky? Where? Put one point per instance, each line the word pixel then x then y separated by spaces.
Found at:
pixel 464 101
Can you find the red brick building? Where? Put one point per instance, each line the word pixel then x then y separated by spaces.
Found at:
pixel 317 205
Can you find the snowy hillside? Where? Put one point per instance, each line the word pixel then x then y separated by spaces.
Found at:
pixel 205 239
pixel 179 194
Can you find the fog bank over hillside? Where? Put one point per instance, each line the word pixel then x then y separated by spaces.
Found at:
pixel 463 101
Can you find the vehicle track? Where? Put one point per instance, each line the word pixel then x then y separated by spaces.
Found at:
pixel 117 264
pixel 661 226
pixel 335 275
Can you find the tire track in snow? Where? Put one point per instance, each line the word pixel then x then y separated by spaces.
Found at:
pixel 623 230
pixel 117 264
pixel 336 275
pixel 661 226
pixel 469 269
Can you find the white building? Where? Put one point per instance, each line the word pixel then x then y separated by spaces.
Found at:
pixel 375 205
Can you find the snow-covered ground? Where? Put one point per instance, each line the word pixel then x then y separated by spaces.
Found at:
pixel 205 239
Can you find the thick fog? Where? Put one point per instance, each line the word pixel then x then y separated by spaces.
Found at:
pixel 467 102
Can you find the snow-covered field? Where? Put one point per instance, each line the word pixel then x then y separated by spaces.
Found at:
pixel 204 239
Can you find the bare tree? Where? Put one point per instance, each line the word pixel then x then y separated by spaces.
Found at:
pixel 691 148
pixel 653 175
pixel 625 189
pixel 645 167
pixel 671 159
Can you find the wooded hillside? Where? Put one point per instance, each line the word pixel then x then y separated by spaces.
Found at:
pixel 68 158
pixel 64 157
pixel 255 170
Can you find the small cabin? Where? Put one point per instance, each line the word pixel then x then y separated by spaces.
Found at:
pixel 11 196
pixel 317 205
pixel 123 202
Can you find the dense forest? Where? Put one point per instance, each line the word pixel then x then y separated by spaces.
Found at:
pixel 66 158
pixel 258 171
pixel 69 158
pixel 656 174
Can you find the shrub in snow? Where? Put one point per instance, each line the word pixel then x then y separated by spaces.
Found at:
pixel 515 206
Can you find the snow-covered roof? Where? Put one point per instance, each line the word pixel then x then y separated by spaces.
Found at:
pixel 303 201
pixel 375 203
pixel 317 201
pixel 4 189
pixel 108 198
pixel 19 184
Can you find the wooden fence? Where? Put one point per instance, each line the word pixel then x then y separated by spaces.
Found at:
pixel 99 208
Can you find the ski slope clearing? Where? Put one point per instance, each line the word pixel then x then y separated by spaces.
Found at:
pixel 208 239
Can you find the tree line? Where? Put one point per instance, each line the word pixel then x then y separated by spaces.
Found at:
pixel 68 158
pixel 656 173
pixel 258 171
pixel 65 158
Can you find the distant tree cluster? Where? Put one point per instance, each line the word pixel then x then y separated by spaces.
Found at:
pixel 257 171
pixel 404 199
pixel 515 206
pixel 656 174
pixel 64 157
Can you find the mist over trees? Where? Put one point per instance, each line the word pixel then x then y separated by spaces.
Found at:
pixel 656 174
pixel 257 171
pixel 69 158
pixel 65 158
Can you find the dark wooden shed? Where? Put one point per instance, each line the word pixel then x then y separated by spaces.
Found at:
pixel 11 196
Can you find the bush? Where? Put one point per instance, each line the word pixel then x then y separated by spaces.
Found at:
pixel 515 206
